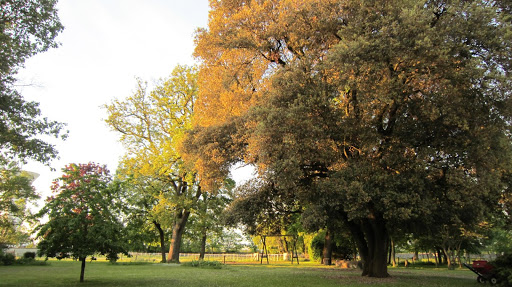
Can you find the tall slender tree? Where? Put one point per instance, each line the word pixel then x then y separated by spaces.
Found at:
pixel 151 124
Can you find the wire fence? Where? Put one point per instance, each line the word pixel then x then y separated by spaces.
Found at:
pixel 256 257
pixel 221 257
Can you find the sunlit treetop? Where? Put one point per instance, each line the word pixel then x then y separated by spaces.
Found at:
pixel 246 41
pixel 152 123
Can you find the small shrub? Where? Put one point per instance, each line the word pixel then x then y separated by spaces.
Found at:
pixel 503 269
pixel 204 264
pixel 30 261
pixel 27 259
pixel 29 255
pixel 7 258
pixel 112 257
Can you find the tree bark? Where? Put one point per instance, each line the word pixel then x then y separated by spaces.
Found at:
pixel 327 250
pixel 177 233
pixel 393 252
pixel 162 239
pixel 372 238
pixel 447 256
pixel 203 246
pixel 459 255
pixel 441 256
pixel 82 269
pixel 181 187
pixel 377 240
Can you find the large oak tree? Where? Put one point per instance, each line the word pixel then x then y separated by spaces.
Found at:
pixel 395 113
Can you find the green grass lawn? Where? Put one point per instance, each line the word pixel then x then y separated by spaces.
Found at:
pixel 66 273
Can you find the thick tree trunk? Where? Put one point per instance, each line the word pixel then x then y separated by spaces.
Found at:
pixel 177 233
pixel 358 235
pixel 372 238
pixel 161 234
pixel 82 269
pixel 327 250
pixel 377 241
pixel 203 246
pixel 180 221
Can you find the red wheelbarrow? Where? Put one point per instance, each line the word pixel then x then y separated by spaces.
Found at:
pixel 484 270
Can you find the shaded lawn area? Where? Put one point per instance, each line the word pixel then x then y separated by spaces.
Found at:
pixel 66 273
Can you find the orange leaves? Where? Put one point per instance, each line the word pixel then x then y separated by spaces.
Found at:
pixel 246 42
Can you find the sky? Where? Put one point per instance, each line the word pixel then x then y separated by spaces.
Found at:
pixel 106 44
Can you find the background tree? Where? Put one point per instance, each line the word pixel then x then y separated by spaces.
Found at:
pixel 16 192
pixel 82 216
pixel 152 124
pixel 144 197
pixel 400 110
pixel 27 27
pixel 207 219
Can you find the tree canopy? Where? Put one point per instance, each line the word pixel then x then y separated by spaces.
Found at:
pixel 27 27
pixel 392 113
pixel 82 215
pixel 16 192
pixel 152 124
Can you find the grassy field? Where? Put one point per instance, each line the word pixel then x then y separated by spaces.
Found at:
pixel 66 273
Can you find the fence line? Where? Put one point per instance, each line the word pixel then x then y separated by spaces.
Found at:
pixel 223 257
pixel 241 257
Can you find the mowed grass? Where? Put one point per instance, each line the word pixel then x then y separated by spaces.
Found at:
pixel 66 273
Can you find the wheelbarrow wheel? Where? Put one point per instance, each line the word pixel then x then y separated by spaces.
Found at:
pixel 480 279
pixel 493 280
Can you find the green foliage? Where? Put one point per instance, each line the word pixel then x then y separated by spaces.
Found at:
pixel 204 264
pixel 387 116
pixel 141 195
pixel 27 27
pixel 27 259
pixel 29 255
pixel 206 222
pixel 152 122
pixel 165 187
pixel 82 215
pixel 7 258
pixel 500 240
pixel 503 268
pixel 317 244
pixel 342 247
pixel 16 192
